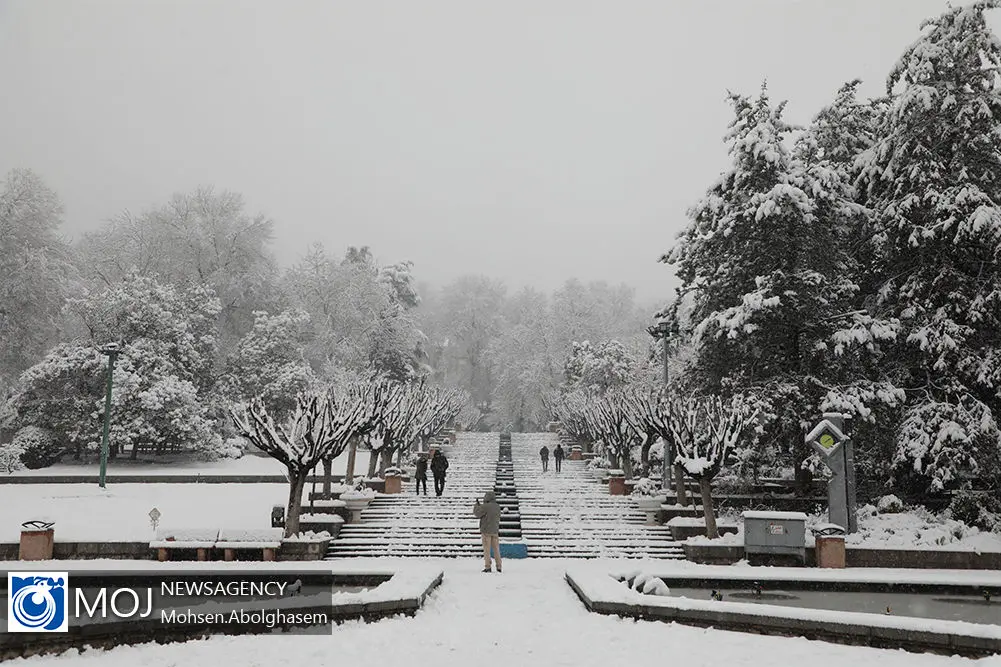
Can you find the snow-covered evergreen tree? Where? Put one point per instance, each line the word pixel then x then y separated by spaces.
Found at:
pixel 269 362
pixel 164 397
pixel 763 269
pixel 933 181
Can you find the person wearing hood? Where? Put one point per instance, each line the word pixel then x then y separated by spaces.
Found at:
pixel 489 515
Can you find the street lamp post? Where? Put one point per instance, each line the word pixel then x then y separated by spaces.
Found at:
pixel 110 350
pixel 662 331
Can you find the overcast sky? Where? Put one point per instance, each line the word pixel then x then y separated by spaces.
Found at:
pixel 529 141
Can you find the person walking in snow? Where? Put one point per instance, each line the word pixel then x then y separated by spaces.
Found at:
pixel 439 464
pixel 489 515
pixel 422 474
pixel 544 453
pixel 558 456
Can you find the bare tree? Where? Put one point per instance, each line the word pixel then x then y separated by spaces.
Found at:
pixel 705 430
pixel 320 428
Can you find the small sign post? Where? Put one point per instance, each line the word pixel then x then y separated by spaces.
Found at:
pixel 829 440
pixel 154 518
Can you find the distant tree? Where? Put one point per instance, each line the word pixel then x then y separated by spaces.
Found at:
pixel 607 365
pixel 205 237
pixel 269 362
pixel 36 272
pixel 359 314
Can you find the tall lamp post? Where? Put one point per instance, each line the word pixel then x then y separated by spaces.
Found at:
pixel 110 350
pixel 662 331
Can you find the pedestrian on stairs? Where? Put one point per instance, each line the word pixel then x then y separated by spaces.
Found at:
pixel 489 515
pixel 422 473
pixel 544 453
pixel 559 455
pixel 439 464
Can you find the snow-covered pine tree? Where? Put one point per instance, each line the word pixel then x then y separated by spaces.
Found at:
pixel 934 183
pixel 763 269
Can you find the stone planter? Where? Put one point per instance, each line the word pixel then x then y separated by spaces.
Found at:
pixel 616 483
pixel 650 505
pixel 575 453
pixel 356 503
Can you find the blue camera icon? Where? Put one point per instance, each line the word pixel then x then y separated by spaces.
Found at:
pixel 37 601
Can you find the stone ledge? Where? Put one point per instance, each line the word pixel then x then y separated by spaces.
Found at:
pixel 724 554
pixel 910 639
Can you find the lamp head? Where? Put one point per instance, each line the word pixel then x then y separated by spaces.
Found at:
pixel 110 348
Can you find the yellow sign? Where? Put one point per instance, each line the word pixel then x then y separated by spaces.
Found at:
pixel 827 441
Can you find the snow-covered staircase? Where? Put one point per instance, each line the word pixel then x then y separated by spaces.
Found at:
pixel 558 516
pixel 428 526
pixel 568 515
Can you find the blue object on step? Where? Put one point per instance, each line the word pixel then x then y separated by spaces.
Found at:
pixel 513 550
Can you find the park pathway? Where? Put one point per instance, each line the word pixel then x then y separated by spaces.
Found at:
pixel 428 526
pixel 559 516
pixel 570 515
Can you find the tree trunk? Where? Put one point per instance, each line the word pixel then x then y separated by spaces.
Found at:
pixel 679 483
pixel 297 481
pixel 373 462
pixel 385 460
pixel 803 477
pixel 627 462
pixel 349 474
pixel 399 458
pixel 135 452
pixel 328 466
pixel 705 484
pixel 645 457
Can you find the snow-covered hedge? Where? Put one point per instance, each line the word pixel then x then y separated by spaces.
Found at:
pixel 645 583
pixel 648 488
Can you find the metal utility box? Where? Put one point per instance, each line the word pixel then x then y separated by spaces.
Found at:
pixel 775 534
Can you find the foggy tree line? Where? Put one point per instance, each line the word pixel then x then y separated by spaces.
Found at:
pixel 208 318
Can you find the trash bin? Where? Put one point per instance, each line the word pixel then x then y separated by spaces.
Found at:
pixel 616 483
pixel 37 540
pixel 278 516
pixel 830 547
pixel 393 482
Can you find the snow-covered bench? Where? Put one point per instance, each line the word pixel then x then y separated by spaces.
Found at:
pixel 268 540
pixel 173 539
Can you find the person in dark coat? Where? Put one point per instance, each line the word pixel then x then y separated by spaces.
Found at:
pixel 489 515
pixel 422 474
pixel 439 464
pixel 558 456
pixel 544 453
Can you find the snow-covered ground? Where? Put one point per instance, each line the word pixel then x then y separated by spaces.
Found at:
pixel 526 616
pixel 915 528
pixel 85 512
